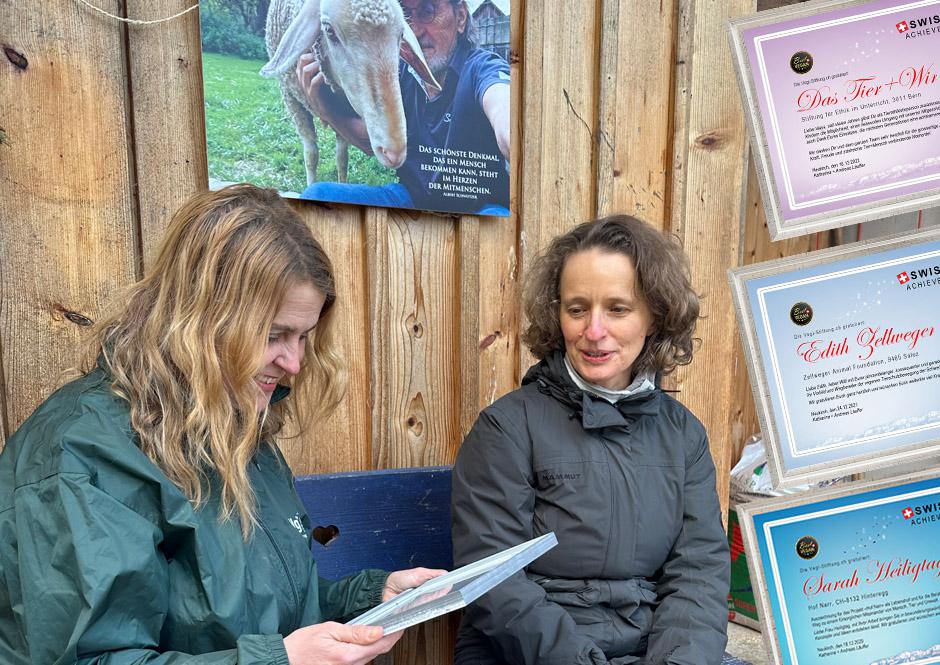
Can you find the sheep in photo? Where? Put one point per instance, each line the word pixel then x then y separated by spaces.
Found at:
pixel 358 44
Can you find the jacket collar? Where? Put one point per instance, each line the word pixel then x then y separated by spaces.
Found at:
pixel 595 412
pixel 280 392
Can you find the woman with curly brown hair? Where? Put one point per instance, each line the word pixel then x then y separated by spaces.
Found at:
pixel 591 448
pixel 146 512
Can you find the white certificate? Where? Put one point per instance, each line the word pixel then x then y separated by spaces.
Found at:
pixel 843 348
pixel 456 589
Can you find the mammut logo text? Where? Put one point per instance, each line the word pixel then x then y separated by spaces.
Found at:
pixel 551 476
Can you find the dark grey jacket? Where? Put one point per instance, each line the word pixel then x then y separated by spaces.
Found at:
pixel 640 573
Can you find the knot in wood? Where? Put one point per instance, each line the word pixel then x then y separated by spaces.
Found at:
pixel 78 319
pixel 74 317
pixel 416 415
pixel 489 339
pixel 415 426
pixel 712 140
pixel 414 326
pixel 18 59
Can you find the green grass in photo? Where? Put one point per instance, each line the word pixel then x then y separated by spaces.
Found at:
pixel 251 138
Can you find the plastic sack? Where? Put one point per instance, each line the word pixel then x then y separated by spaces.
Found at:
pixel 751 479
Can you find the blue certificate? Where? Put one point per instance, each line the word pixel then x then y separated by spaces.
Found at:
pixel 846 356
pixel 850 579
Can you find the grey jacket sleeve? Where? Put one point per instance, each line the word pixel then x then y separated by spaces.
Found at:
pixel 492 509
pixel 690 624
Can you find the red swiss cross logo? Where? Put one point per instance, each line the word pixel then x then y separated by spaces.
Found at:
pixel 908 513
pixel 903 278
pixel 902 27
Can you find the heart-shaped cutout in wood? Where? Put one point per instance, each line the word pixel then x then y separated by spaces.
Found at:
pixel 326 534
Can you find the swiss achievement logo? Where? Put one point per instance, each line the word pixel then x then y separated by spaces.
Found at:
pixel 902 27
pixel 807 547
pixel 801 313
pixel 903 278
pixel 801 62
pixel 922 514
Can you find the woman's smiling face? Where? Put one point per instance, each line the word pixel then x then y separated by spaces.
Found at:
pixel 287 339
pixel 604 319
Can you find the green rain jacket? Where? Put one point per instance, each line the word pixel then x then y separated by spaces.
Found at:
pixel 104 561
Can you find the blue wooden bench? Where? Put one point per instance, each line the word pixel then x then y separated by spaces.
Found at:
pixel 390 519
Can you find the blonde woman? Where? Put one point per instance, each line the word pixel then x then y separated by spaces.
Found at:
pixel 146 514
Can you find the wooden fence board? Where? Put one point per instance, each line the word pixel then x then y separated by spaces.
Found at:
pixel 68 232
pixel 341 442
pixel 559 120
pixel 414 312
pixel 681 108
pixel 559 117
pixel 468 370
pixel 497 343
pixel 633 138
pixel 165 62
pixel 709 221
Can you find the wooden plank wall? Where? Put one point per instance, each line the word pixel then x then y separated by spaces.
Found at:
pixel 618 105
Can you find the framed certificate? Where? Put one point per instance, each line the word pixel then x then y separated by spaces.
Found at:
pixel 843 350
pixel 849 576
pixel 455 589
pixel 842 101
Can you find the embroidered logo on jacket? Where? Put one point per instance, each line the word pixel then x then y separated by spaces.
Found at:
pixel 552 476
pixel 296 522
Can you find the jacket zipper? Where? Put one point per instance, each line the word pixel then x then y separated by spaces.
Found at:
pixel 290 578
pixel 280 555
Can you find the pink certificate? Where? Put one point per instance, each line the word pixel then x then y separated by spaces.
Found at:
pixel 843 108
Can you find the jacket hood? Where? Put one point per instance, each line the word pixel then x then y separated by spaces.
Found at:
pixel 551 378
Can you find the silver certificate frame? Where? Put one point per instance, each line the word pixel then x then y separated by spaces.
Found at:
pixel 455 589
pixel 835 570
pixel 838 387
pixel 796 203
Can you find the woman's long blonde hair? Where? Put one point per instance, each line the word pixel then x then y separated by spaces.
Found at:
pixel 187 340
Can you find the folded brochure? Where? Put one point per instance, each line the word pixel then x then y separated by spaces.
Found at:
pixel 458 588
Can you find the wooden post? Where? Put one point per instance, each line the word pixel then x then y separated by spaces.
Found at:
pixel 636 88
pixel 706 212
pixel 343 440
pixel 165 81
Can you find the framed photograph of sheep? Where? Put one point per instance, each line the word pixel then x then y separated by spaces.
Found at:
pixel 396 103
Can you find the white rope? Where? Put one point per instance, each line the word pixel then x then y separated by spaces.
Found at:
pixel 135 21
